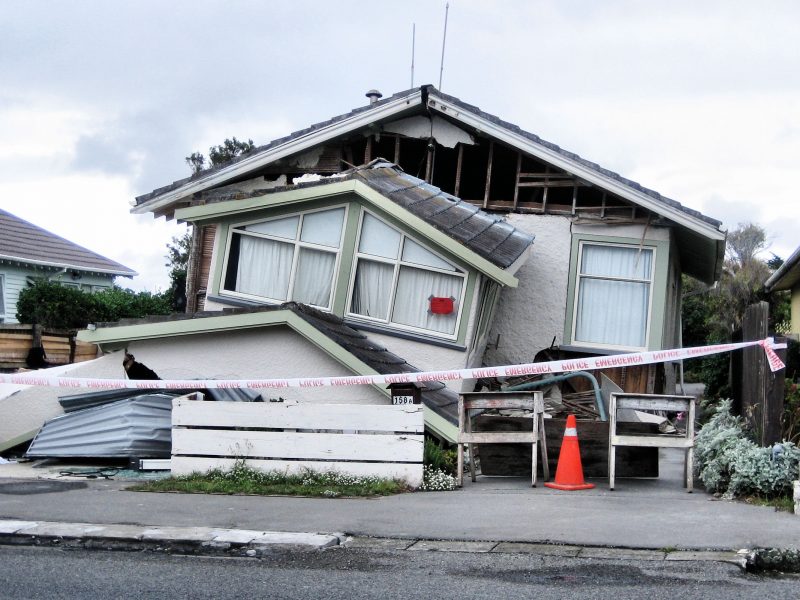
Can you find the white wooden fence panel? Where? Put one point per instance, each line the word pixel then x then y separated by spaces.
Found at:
pixel 411 473
pixel 293 415
pixel 286 444
pixel 381 440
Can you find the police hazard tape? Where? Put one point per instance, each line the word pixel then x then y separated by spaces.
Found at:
pixel 540 368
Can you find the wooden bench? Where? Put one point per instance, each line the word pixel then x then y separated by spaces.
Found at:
pixel 530 401
pixel 650 402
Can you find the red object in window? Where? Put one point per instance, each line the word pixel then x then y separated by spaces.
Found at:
pixel 441 306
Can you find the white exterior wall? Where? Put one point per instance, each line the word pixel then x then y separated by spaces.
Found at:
pixel 529 316
pixel 261 353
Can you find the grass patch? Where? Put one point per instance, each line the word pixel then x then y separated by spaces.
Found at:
pixel 242 479
pixel 781 503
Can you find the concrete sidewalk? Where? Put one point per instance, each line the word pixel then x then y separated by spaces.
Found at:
pixel 638 514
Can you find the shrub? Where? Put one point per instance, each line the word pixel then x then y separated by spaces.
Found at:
pixel 50 304
pixel 729 462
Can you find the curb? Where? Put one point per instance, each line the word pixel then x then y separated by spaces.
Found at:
pixel 739 558
pixel 183 540
pixel 255 544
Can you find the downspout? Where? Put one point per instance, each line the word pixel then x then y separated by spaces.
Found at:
pixel 598 398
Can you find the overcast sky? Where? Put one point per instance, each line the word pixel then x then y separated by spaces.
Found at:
pixel 101 101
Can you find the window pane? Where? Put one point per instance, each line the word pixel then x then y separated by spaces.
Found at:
pixel 283 228
pixel 612 312
pixel 324 228
pixel 264 267
pixel 414 288
pixel 377 238
pixel 414 253
pixel 372 290
pixel 615 261
pixel 312 284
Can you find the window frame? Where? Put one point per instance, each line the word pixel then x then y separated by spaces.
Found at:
pixel 575 283
pixel 297 244
pixel 397 263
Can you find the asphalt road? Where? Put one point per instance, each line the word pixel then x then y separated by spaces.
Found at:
pixel 346 573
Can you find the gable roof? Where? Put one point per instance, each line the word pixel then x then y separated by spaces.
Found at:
pixel 701 242
pixel 24 242
pixel 489 237
pixel 788 274
pixel 345 344
pixel 394 107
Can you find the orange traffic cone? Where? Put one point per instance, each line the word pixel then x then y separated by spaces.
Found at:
pixel 569 474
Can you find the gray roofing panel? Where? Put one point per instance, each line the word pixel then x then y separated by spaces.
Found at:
pixel 24 241
pixel 136 427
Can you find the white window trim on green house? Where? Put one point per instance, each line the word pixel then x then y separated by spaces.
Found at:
pixel 392 251
pixel 654 283
pixel 343 279
pixel 294 247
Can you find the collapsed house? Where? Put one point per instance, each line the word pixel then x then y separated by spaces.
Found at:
pixel 461 241
pixel 435 226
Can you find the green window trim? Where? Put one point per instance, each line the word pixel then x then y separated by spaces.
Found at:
pixel 658 290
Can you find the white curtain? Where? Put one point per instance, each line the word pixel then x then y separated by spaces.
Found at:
pixel 611 311
pixel 414 287
pixel 312 283
pixel 373 289
pixel 264 267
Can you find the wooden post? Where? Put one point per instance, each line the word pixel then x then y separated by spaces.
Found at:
pixel 397 150
pixel 762 390
pixel 488 175
pixel 516 185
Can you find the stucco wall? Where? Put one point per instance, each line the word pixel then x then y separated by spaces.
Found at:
pixel 252 354
pixel 529 316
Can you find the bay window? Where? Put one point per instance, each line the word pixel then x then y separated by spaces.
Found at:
pixel 613 295
pixel 396 277
pixel 287 258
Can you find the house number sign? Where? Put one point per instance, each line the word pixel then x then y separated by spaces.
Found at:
pixel 402 399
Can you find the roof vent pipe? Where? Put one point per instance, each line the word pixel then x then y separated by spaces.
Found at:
pixel 374 96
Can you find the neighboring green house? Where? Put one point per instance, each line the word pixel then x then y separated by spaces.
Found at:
pixel 787 277
pixel 28 251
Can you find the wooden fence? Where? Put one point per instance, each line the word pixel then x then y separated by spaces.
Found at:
pixel 60 346
pixel 380 440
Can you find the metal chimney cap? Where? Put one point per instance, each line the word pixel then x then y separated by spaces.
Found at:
pixel 374 96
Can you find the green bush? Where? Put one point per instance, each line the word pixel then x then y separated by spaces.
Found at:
pixel 729 462
pixel 50 304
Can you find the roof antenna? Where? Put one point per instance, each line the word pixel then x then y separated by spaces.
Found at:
pixel 413 40
pixel 444 39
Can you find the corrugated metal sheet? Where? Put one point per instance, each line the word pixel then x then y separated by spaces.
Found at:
pixel 134 427
pixel 92 399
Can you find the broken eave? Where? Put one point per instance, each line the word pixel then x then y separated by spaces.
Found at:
pixel 245 166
